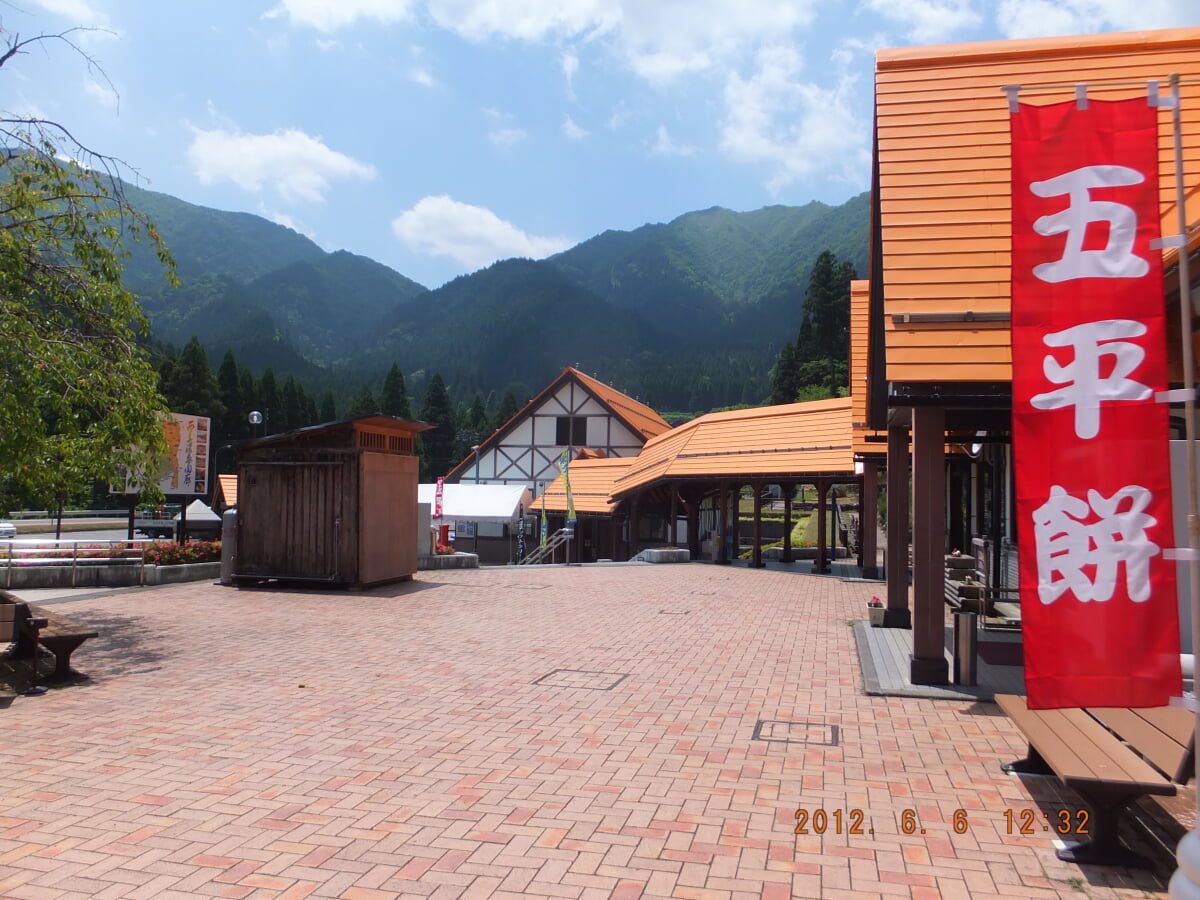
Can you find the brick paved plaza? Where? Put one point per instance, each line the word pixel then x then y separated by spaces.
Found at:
pixel 616 731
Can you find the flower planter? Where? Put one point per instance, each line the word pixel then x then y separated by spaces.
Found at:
pixel 875 613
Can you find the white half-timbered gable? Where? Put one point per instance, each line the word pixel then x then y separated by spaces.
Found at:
pixel 575 412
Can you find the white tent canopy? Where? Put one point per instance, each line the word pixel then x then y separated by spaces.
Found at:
pixel 478 502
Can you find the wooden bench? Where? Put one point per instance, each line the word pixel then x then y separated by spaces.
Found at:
pixel 18 629
pixel 1110 757
pixel 61 637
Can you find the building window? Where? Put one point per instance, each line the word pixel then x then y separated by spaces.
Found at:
pixel 571 431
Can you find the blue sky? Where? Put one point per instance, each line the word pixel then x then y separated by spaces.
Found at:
pixel 437 136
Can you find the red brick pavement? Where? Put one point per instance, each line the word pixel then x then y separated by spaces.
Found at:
pixel 394 743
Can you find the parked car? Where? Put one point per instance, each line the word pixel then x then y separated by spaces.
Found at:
pixel 7 530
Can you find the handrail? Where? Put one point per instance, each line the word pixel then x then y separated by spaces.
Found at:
pixel 555 541
pixel 16 553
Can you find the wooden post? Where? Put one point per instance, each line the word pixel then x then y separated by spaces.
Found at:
pixel 789 491
pixel 674 533
pixel 756 560
pixel 822 566
pixel 929 546
pixel 898 614
pixel 868 517
pixel 723 525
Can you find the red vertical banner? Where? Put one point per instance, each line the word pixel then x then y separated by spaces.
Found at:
pixel 1090 443
pixel 437 498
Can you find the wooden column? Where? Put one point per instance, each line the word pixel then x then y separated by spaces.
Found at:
pixel 692 507
pixel 674 533
pixel 822 564
pixel 929 546
pixel 868 518
pixel 634 504
pixel 722 525
pixel 898 614
pixel 789 491
pixel 756 560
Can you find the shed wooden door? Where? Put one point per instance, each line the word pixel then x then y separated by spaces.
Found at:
pixel 294 522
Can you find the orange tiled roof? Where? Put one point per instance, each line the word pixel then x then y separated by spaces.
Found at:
pixel 228 486
pixel 638 416
pixel 796 438
pixel 591 484
pixel 944 160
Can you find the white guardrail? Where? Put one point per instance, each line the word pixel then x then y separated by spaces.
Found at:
pixel 18 553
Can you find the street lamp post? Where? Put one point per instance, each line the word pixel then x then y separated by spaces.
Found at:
pixel 475 546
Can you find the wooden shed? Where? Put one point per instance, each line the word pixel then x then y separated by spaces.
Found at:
pixel 334 503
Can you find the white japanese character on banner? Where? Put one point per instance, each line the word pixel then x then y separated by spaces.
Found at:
pixel 1084 387
pixel 1117 259
pixel 1066 544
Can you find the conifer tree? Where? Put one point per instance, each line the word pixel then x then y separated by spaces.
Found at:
pixel 193 387
pixel 394 401
pixel 231 425
pixel 328 411
pixel 364 404
pixel 437 444
pixel 508 409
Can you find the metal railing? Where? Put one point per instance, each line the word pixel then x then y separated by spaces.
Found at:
pixel 19 553
pixel 539 553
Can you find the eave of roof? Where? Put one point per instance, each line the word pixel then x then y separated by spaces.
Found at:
pixel 979 51
pixel 794 439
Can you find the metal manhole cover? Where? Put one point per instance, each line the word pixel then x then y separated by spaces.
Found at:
pixel 583 679
pixel 780 731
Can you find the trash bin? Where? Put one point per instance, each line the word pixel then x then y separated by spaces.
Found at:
pixel 229 533
pixel 966 648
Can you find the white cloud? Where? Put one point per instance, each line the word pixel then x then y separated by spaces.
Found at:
pixel 928 21
pixel 670 38
pixel 570 66
pixel 472 235
pixel 104 94
pixel 422 76
pixel 1041 18
pixel 507 137
pixel 298 167
pixel 281 218
pixel 658 40
pixel 328 15
pixel 573 131
pixel 79 12
pixel 528 20
pixel 664 146
pixel 773 118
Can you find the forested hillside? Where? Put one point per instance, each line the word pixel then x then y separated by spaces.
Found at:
pixel 689 315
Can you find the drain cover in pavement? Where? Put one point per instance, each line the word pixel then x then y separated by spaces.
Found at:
pixel 674 612
pixel 783 732
pixel 579 678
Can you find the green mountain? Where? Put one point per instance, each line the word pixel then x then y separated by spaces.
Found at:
pixel 707 271
pixel 688 315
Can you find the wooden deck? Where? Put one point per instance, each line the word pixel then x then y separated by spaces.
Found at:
pixel 885 655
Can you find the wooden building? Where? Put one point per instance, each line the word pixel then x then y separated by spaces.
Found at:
pixel 573 412
pixel 334 503
pixel 938 345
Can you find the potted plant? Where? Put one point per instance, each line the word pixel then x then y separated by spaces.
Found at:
pixel 875 610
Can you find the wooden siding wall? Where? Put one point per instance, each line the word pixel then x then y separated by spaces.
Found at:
pixel 859 342
pixel 296 517
pixel 387 548
pixel 945 168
